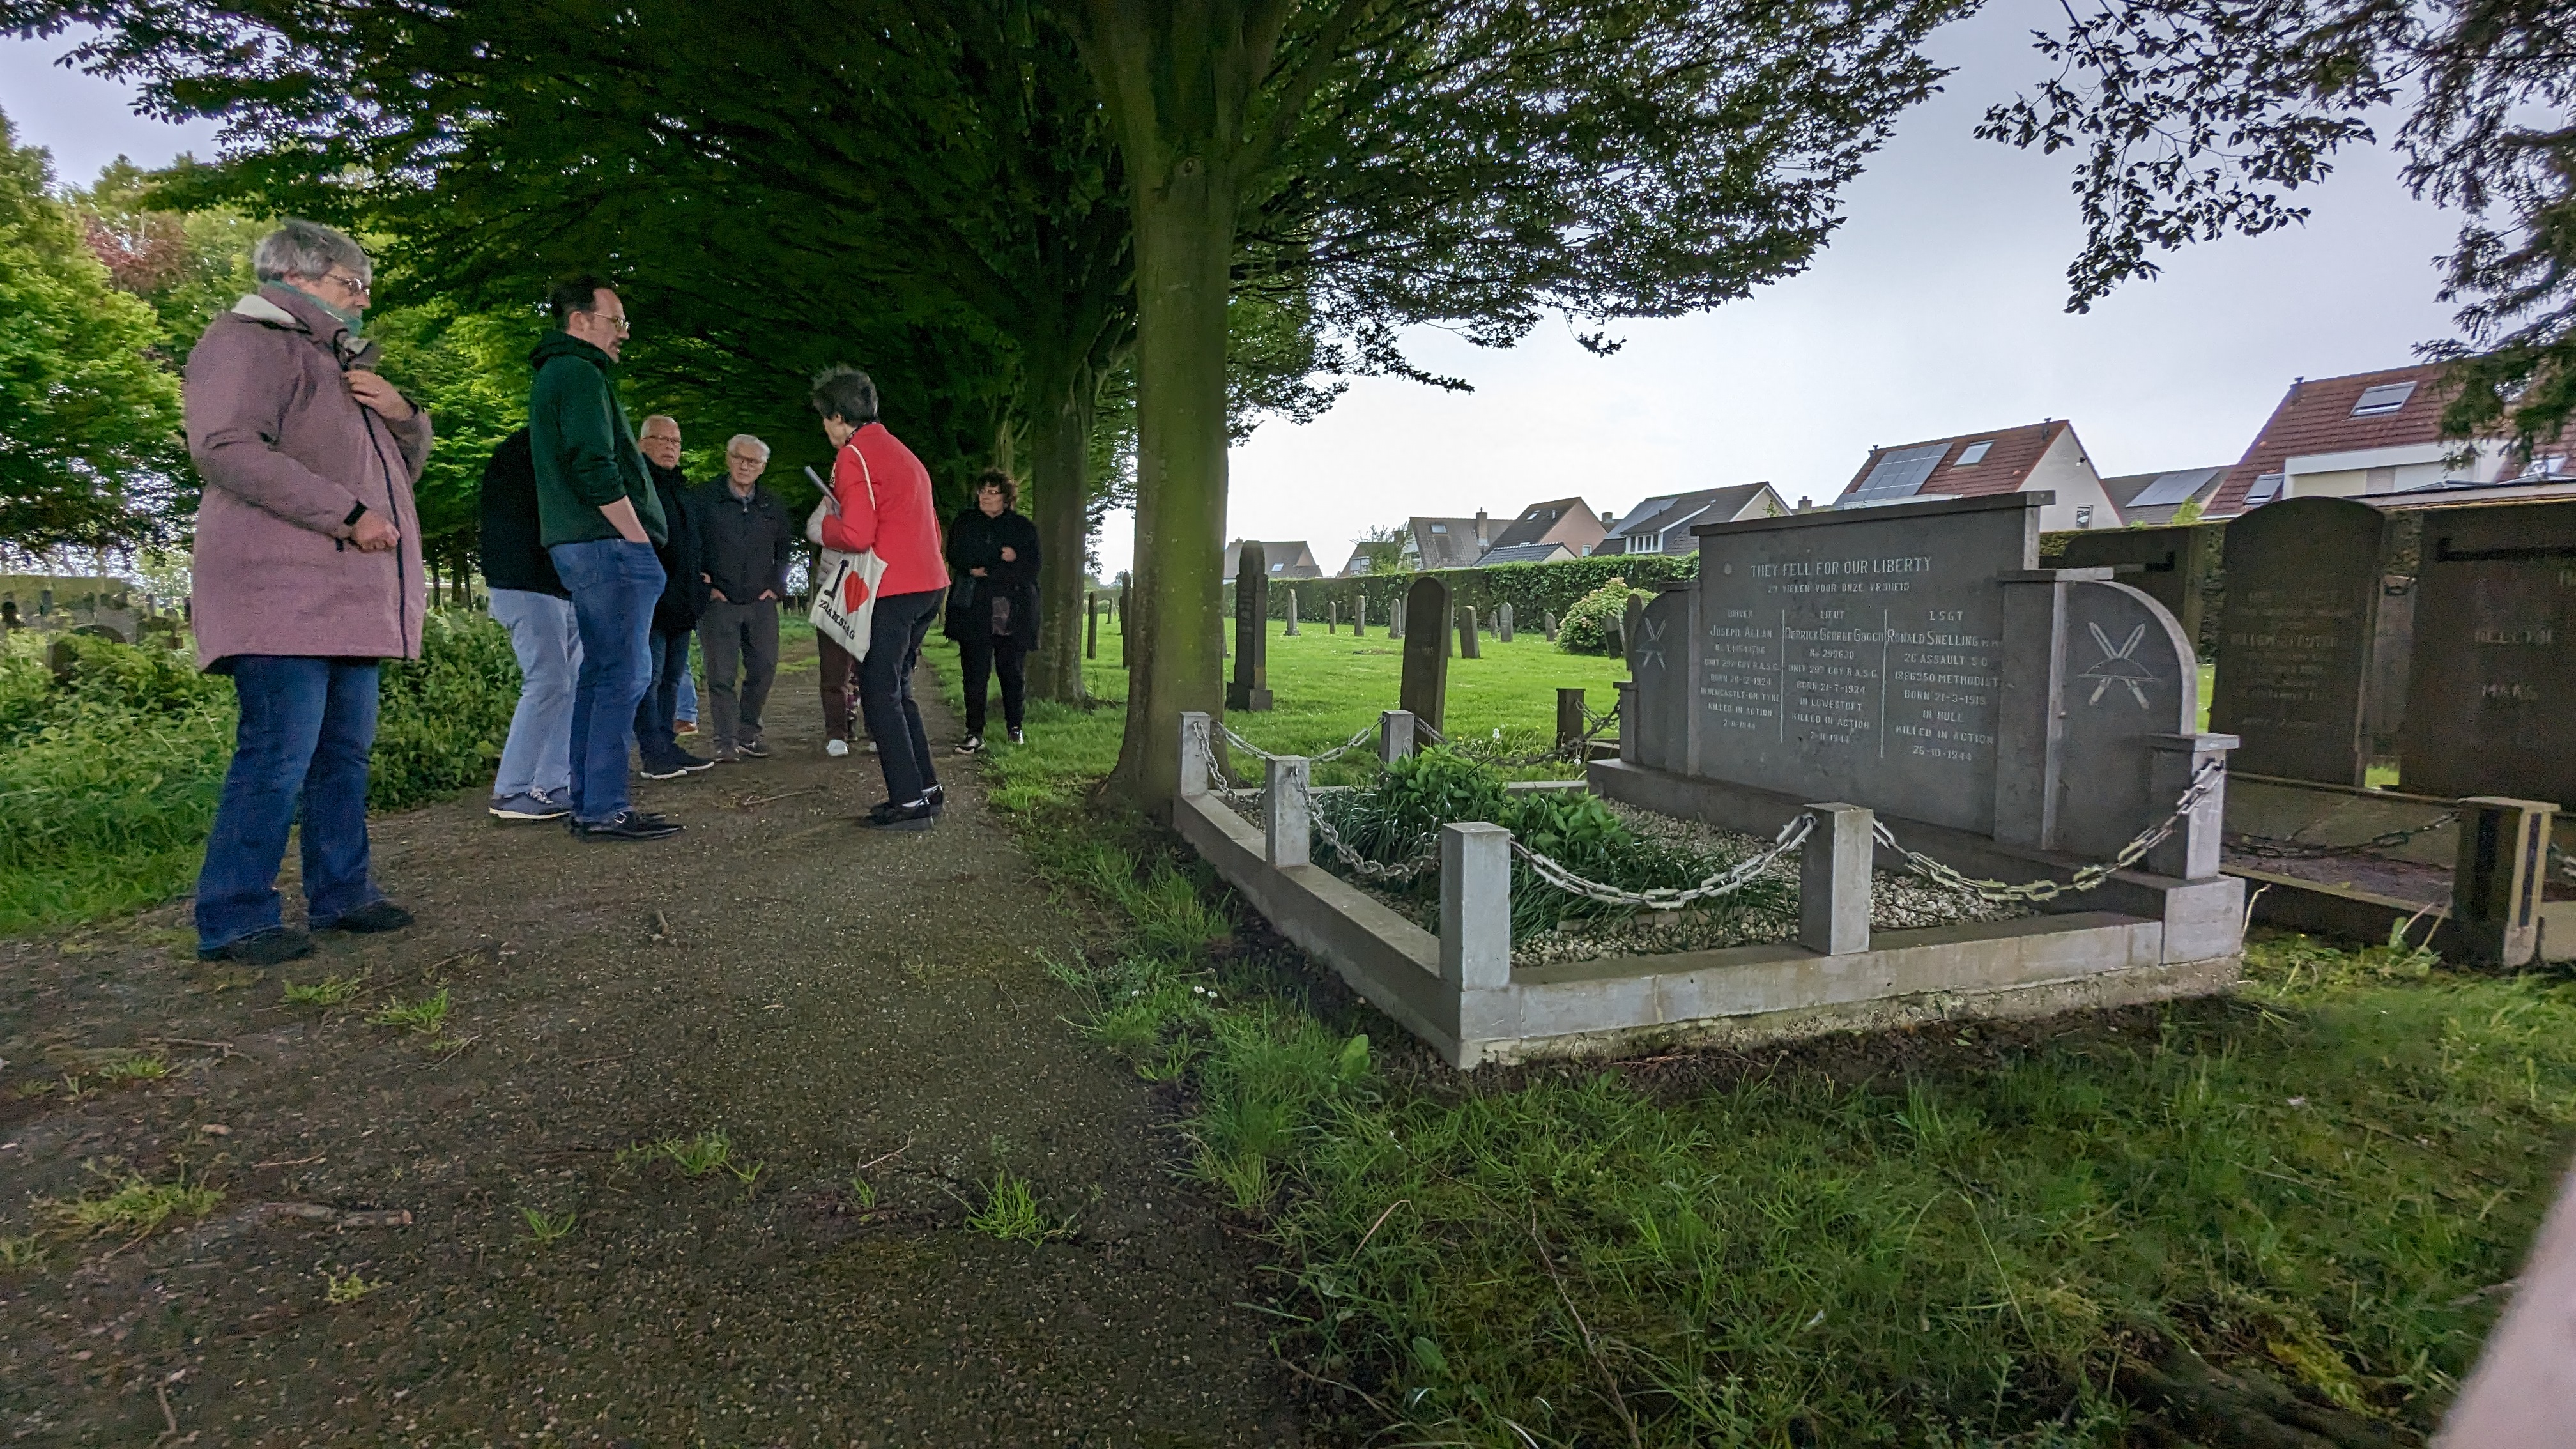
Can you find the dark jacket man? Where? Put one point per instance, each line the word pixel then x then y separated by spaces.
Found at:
pixel 513 555
pixel 976 542
pixel 745 544
pixel 682 553
pixel 586 456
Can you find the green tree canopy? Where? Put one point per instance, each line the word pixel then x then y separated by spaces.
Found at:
pixel 88 421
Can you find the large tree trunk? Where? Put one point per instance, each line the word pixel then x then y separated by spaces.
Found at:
pixel 1173 76
pixel 1060 479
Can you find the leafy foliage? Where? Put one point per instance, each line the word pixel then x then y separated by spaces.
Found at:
pixel 1592 625
pixel 2196 119
pixel 88 421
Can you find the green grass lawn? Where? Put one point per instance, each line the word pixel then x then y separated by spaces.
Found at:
pixel 1984 1235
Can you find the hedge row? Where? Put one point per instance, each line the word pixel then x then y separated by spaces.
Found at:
pixel 1532 589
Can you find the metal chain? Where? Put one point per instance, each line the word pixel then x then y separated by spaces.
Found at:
pixel 2203 781
pixel 2270 848
pixel 1666 898
pixel 1403 870
pixel 1219 778
pixel 1335 753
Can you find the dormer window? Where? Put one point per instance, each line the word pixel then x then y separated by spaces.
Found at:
pixel 2386 398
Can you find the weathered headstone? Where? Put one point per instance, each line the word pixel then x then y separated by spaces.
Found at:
pixel 1548 621
pixel 1503 623
pixel 2175 566
pixel 2491 699
pixel 2126 675
pixel 1569 718
pixel 1332 616
pixel 2303 581
pixel 1359 616
pixel 1291 630
pixel 1425 690
pixel 1395 617
pixel 1657 732
pixel 1118 617
pixel 1251 687
pixel 1091 626
pixel 1467 647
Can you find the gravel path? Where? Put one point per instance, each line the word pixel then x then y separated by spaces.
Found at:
pixel 836 1001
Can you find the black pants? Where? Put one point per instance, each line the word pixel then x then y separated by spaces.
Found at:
pixel 885 691
pixel 1000 655
pixel 655 713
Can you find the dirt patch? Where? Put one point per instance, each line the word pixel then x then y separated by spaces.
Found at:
pixel 866 1021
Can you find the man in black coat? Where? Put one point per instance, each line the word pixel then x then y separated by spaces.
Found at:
pixel 747 538
pixel 675 614
pixel 993 601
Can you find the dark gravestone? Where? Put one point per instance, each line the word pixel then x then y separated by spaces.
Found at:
pixel 2491 703
pixel 1291 630
pixel 1250 690
pixel 2174 566
pixel 2126 673
pixel 1119 618
pixel 1091 626
pixel 1628 622
pixel 1858 655
pixel 1503 623
pixel 2303 579
pixel 1659 660
pixel 1467 648
pixel 1425 691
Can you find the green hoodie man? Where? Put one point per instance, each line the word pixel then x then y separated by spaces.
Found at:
pixel 584 451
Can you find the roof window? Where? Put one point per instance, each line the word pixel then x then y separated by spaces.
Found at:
pixel 1973 453
pixel 1439 528
pixel 2264 490
pixel 2386 398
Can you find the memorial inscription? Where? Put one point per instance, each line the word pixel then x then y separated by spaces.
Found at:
pixel 2491 705
pixel 2303 583
pixel 1860 657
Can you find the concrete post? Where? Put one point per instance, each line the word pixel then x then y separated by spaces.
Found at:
pixel 1394 735
pixel 1284 811
pixel 2191 852
pixel 2496 887
pixel 1476 906
pixel 1833 881
pixel 1196 750
pixel 1569 718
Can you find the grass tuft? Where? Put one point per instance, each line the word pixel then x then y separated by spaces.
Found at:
pixel 140 1067
pixel 135 1207
pixel 544 1229
pixel 340 1290
pixel 423 1018
pixel 1010 1212
pixel 329 991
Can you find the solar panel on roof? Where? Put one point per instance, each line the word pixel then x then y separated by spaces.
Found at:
pixel 2388 397
pixel 1973 453
pixel 2171 490
pixel 1900 474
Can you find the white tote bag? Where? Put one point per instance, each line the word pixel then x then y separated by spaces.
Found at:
pixel 845 584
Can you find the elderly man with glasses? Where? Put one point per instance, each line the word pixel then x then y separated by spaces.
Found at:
pixel 746 538
pixel 307 573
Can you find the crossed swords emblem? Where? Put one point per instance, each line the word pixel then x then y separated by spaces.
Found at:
pixel 2116 667
pixel 1650 649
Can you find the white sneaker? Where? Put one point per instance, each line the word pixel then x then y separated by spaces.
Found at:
pixel 836 748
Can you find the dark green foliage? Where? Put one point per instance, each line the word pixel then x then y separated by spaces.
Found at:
pixel 1532 589
pixel 1592 625
pixel 110 777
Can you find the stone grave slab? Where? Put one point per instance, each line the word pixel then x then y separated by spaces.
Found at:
pixel 1250 690
pixel 2303 583
pixel 1291 630
pixel 1467 643
pixel 2491 699
pixel 1857 655
pixel 1659 661
pixel 2127 674
pixel 1425 690
pixel 1503 623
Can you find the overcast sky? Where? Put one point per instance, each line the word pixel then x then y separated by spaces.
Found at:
pixel 1937 310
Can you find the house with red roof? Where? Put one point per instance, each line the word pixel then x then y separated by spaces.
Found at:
pixel 2359 436
pixel 2035 458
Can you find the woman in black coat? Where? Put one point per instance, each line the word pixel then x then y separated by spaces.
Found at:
pixel 993 600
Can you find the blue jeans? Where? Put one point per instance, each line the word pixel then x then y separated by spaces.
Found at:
pixel 614 584
pixel 885 691
pixel 307 727
pixel 687 708
pixel 538 758
pixel 658 714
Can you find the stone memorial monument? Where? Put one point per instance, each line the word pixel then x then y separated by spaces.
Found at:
pixel 1250 690
pixel 1425 690
pixel 1547 622
pixel 1503 623
pixel 1291 631
pixel 2491 696
pixel 1395 617
pixel 1467 647
pixel 2295 637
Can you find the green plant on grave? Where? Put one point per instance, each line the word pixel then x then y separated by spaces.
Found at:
pixel 1592 625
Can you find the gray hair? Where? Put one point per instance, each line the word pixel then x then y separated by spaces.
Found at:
pixel 739 439
pixel 308 249
pixel 658 418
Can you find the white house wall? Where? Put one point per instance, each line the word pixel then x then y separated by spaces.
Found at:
pixel 2064 471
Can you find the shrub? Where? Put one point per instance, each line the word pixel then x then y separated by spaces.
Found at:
pixel 444 717
pixel 1592 625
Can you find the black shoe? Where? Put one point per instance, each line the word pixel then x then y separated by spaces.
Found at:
pixel 1018 738
pixel 889 816
pixel 269 946
pixel 663 770
pixel 627 825
pixel 937 797
pixel 754 750
pixel 372 917
pixel 692 763
pixel 970 744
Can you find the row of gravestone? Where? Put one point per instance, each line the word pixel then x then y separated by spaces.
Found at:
pixel 1424 690
pixel 2352 631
